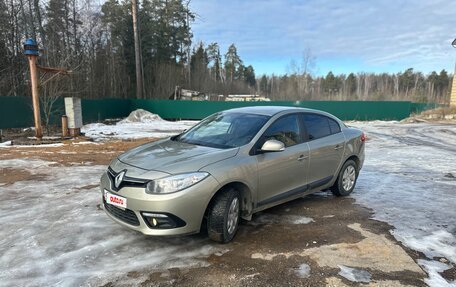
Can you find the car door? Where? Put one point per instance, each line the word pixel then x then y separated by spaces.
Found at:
pixel 280 174
pixel 326 148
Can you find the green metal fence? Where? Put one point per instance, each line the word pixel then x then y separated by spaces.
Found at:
pixel 417 108
pixel 98 110
pixel 16 112
pixel 343 110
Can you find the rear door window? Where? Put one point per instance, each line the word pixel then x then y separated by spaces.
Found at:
pixel 317 126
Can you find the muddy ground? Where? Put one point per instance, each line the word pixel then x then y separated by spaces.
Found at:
pixel 271 254
pixel 266 251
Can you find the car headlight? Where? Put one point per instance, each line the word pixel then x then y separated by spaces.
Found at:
pixel 175 183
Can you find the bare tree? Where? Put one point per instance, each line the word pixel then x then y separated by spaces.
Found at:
pixel 138 60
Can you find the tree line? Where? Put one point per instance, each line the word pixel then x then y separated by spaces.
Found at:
pixel 96 43
pixel 403 86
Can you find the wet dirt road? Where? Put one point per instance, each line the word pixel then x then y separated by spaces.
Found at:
pixel 271 250
pixel 320 240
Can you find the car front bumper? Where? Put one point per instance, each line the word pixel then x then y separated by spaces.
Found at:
pixel 188 205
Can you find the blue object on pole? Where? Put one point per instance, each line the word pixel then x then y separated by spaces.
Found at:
pixel 31 48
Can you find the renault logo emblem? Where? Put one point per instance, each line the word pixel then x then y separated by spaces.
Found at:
pixel 119 178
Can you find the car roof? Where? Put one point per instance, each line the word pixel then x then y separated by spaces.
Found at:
pixel 271 110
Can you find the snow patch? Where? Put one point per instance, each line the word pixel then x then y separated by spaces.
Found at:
pixel 137 125
pixel 433 268
pixel 221 252
pixel 300 219
pixel 354 274
pixel 250 276
pixel 267 257
pixel 85 143
pixel 46 138
pixel 303 271
pixel 5 144
pixel 268 218
pixel 403 181
pixel 11 145
pixel 41 218
pixel 141 116
pixel 32 165
pixel 438 243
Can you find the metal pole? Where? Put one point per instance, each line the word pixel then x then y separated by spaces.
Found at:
pixel 35 96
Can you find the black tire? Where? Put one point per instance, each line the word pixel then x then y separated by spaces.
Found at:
pixel 338 188
pixel 217 218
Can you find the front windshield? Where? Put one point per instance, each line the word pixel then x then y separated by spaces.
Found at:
pixel 224 130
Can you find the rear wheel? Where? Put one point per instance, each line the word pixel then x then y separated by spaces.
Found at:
pixel 223 216
pixel 346 180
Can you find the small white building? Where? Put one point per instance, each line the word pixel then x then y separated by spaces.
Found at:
pixel 246 98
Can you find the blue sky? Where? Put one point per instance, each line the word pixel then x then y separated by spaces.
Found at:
pixel 342 36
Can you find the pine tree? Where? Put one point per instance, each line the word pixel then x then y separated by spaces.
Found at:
pixel 249 76
pixel 55 29
pixel 213 52
pixel 232 62
pixel 198 67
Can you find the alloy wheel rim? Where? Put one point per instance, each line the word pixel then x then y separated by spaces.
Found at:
pixel 348 178
pixel 233 215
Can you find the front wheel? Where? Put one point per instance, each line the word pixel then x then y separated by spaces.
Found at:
pixel 223 216
pixel 346 180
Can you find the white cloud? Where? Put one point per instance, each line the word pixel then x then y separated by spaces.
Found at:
pixel 381 33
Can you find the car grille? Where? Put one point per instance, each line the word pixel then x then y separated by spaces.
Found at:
pixel 127 215
pixel 126 182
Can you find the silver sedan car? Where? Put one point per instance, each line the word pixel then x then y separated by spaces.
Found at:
pixel 229 166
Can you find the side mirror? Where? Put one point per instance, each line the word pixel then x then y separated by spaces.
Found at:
pixel 272 146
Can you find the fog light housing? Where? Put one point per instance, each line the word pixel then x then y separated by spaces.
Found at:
pixel 162 220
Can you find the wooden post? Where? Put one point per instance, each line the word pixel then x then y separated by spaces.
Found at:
pixel 64 126
pixel 453 90
pixel 35 96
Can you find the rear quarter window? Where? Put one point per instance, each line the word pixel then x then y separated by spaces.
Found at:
pixel 334 126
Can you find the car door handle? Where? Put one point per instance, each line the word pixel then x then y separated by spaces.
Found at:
pixel 338 147
pixel 302 157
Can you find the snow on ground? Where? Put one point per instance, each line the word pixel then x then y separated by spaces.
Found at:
pixel 85 143
pixel 408 179
pixel 269 218
pixel 54 233
pixel 5 144
pixel 433 268
pixel 9 144
pixel 354 274
pixel 303 271
pixel 139 124
pixel 141 116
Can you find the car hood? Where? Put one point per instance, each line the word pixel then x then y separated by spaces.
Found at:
pixel 174 157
